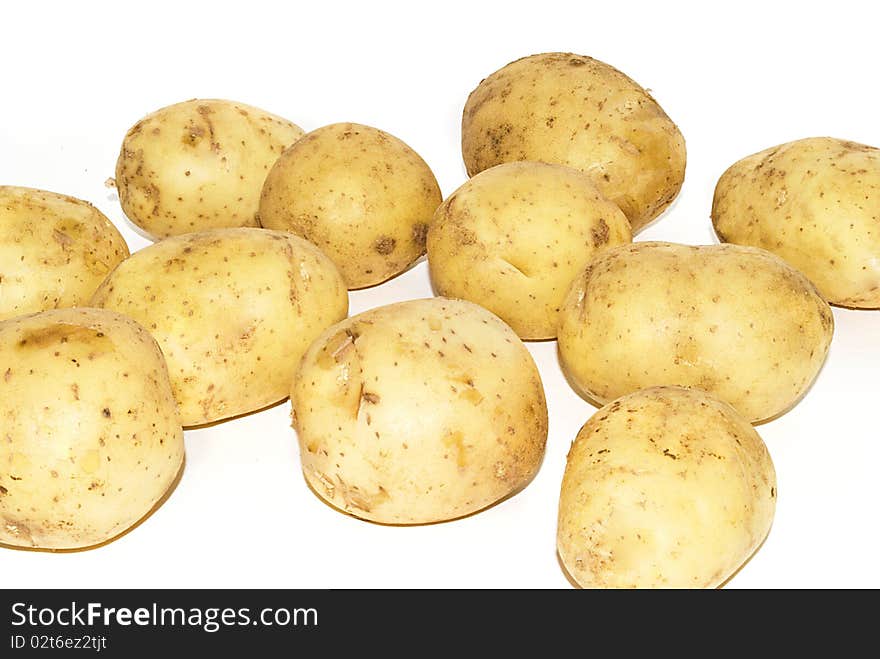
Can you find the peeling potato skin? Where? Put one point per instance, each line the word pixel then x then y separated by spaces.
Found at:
pixel 577 111
pixel 360 194
pixel 735 321
pixel 199 165
pixel 816 203
pixel 55 250
pixel 513 237
pixel 232 309
pixel 90 438
pixel 664 488
pixel 419 412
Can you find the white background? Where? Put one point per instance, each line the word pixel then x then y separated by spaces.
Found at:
pixel 736 78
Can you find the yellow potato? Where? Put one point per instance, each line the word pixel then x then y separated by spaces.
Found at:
pixel 577 111
pixel 513 237
pixel 419 412
pixel 232 309
pixel 54 250
pixel 199 165
pixel 734 321
pixel 664 488
pixel 92 439
pixel 814 202
pixel 361 195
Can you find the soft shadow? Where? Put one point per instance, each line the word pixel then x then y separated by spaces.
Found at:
pixel 74 550
pixel 713 234
pixel 843 306
pixel 833 304
pixel 575 584
pixel 211 424
pixel 803 395
pixel 134 227
pixel 745 562
pixel 566 573
pixel 547 340
pixel 666 211
pixel 595 403
pixel 395 275
pixel 508 496
pixel 574 385
pixel 437 294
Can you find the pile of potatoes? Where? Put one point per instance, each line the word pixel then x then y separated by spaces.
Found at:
pixel 429 410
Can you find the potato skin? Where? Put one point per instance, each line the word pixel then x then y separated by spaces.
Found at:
pixel 92 437
pixel 735 321
pixel 514 236
pixel 55 250
pixel 664 488
pixel 360 194
pixel 577 111
pixel 816 203
pixel 232 309
pixel 199 165
pixel 419 412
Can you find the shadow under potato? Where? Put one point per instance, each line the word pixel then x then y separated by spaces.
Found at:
pixel 211 424
pixel 597 404
pixel 73 550
pixel 576 585
pixel 347 513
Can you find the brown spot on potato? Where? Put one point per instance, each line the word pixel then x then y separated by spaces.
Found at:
pixel 58 333
pixel 600 233
pixel 19 530
pixel 420 234
pixel 62 239
pixel 455 441
pixel 471 395
pixel 344 346
pixel 384 245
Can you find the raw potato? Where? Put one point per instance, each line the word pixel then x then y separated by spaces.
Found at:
pixel 734 321
pixel 419 412
pixel 92 441
pixel 816 203
pixel 578 111
pixel 55 250
pixel 664 488
pixel 361 195
pixel 513 237
pixel 199 165
pixel 232 309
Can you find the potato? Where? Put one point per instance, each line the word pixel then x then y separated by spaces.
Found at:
pixel 419 412
pixel 54 250
pixel 513 237
pixel 92 439
pixel 361 195
pixel 734 321
pixel 199 165
pixel 664 488
pixel 816 203
pixel 578 111
pixel 232 309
